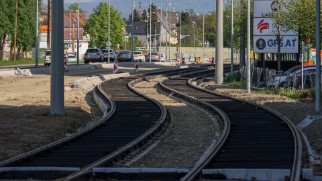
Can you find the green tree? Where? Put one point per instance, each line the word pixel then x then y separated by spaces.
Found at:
pixel 97 27
pixel 299 15
pixel 7 17
pixel 74 7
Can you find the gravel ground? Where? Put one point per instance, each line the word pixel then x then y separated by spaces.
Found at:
pixel 190 134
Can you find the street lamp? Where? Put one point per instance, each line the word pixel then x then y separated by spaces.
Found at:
pixel 248 46
pixel 232 38
pixel 194 37
pixel 150 27
pixel 70 30
pixel 37 34
pixel 132 30
pixel 203 36
pixel 78 32
pixel 109 31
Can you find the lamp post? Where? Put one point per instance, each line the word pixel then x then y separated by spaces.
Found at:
pixel 180 53
pixel 70 30
pixel 318 58
pixel 37 34
pixel 248 46
pixel 132 30
pixel 150 28
pixel 194 37
pixel 166 31
pixel 203 36
pixel 232 38
pixel 109 31
pixel 78 32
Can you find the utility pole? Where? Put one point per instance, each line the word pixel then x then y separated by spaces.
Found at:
pixel 37 31
pixel 57 63
pixel 180 53
pixel 232 38
pixel 109 31
pixel 49 24
pixel 318 59
pixel 132 48
pixel 219 42
pixel 16 28
pixel 150 27
pixel 166 29
pixel 78 32
pixel 203 37
pixel 73 38
pixel 248 47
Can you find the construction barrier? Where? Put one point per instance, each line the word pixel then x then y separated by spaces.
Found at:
pixel 136 66
pixel 115 67
pixel 183 61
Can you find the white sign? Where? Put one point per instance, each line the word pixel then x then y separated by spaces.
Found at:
pixel 108 43
pixel 265 26
pixel 262 9
pixel 268 44
pixel 265 30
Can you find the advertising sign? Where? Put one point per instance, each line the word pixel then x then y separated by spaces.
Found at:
pixel 265 31
pixel 265 26
pixel 268 44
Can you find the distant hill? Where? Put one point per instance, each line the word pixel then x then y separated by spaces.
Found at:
pixel 200 6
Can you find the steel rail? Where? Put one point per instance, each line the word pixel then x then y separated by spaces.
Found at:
pixel 215 146
pixel 99 94
pixel 298 145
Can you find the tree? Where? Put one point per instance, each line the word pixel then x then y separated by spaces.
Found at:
pixel 299 16
pixel 97 27
pixel 7 16
pixel 74 7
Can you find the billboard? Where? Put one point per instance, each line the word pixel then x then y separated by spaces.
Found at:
pixel 265 30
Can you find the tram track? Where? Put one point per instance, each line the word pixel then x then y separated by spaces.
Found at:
pixel 259 138
pixel 122 95
pixel 100 144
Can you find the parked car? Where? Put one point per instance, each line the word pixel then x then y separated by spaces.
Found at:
pixel 139 56
pixel 93 55
pixel 71 57
pixel 112 54
pixel 124 56
pixel 155 57
pixel 47 58
pixel 282 79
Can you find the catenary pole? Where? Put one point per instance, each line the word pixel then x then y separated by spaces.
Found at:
pixel 132 31
pixel 109 32
pixel 37 32
pixel 57 63
pixel 248 46
pixel 219 42
pixel 78 32
pixel 318 59
pixel 150 34
pixel 232 38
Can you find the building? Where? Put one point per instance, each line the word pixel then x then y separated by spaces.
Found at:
pixel 70 32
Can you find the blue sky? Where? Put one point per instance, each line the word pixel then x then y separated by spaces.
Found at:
pixel 125 6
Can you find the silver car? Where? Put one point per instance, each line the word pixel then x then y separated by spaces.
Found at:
pixel 93 55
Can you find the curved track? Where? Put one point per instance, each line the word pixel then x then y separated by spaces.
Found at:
pixel 258 138
pixel 131 119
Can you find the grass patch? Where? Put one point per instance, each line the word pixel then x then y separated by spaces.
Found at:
pixel 20 62
pixel 298 94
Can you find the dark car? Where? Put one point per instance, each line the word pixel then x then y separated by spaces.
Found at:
pixel 124 56
pixel 93 55
pixel 112 54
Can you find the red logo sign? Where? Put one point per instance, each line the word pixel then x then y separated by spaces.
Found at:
pixel 262 25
